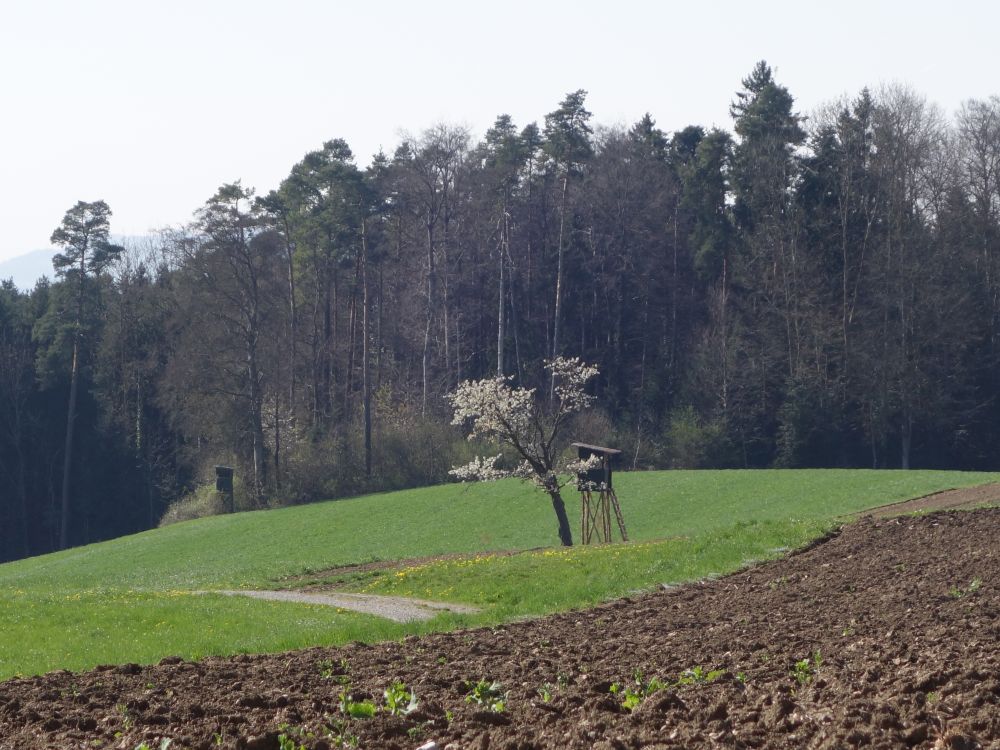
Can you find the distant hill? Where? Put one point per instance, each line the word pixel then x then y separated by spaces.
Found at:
pixel 26 269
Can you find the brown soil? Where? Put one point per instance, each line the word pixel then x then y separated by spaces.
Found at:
pixel 904 614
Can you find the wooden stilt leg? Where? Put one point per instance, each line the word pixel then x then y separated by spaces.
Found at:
pixel 618 515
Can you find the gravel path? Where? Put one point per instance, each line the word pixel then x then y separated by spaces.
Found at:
pixel 395 608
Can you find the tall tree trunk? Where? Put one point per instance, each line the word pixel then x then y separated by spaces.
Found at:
pixel 277 439
pixel 673 300
pixel 332 353
pixel 906 441
pixel 425 361
pixel 256 428
pixel 845 357
pixel 640 401
pixel 365 384
pixel 446 303
pixel 352 332
pixel 74 377
pixel 140 453
pixel 515 325
pixel 314 347
pixel 500 296
pixel 559 277
pixel 22 496
pixel 68 454
pixel 378 333
pixel 292 316
pixel 725 338
pixel 326 356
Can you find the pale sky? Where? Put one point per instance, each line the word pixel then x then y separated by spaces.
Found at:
pixel 150 105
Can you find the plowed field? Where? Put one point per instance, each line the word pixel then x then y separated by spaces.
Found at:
pixel 885 635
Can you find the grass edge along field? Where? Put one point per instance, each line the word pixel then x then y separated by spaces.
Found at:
pixel 132 599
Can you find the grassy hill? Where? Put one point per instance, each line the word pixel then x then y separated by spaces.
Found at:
pixel 143 597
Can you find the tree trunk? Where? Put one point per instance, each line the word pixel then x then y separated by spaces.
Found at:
pixel 514 325
pixel 365 384
pixel 256 427
pixel 500 312
pixel 642 385
pixel 68 455
pixel 378 333
pixel 559 276
pixel 352 332
pixel 332 351
pixel 326 357
pixel 565 535
pixel 314 350
pixel 425 360
pixel 142 462
pixel 906 441
pixel 22 495
pixel 74 378
pixel 672 359
pixel 725 342
pixel 293 316
pixel 445 304
pixel 277 440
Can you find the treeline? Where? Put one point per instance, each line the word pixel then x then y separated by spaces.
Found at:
pixel 821 292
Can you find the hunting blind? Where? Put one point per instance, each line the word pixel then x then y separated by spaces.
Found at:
pixel 595 516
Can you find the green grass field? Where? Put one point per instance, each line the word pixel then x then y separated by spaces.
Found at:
pixel 138 598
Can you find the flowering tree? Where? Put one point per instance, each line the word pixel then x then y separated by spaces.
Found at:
pixel 512 417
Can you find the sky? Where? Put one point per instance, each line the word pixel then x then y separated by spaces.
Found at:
pixel 151 105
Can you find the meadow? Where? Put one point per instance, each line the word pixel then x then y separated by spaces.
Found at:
pixel 147 596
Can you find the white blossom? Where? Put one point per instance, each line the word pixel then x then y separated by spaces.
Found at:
pixel 481 469
pixel 496 411
pixel 582 466
pixel 571 376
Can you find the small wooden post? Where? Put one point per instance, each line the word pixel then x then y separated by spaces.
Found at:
pixel 224 484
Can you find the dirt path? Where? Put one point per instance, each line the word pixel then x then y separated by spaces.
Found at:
pixel 886 635
pixel 965 498
pixel 395 608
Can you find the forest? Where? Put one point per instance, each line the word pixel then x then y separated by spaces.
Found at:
pixel 818 291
